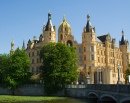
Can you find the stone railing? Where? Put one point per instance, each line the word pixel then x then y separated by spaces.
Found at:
pixel 75 86
pixel 110 87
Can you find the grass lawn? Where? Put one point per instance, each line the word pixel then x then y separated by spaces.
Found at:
pixel 9 98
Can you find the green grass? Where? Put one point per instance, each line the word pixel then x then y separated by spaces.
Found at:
pixel 12 99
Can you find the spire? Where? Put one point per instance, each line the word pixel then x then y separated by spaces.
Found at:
pixel 12 47
pixel 122 42
pixel 23 47
pixel 122 32
pixel 88 25
pixel 49 26
pixel 64 18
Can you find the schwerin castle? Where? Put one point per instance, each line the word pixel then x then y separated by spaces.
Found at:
pixel 98 56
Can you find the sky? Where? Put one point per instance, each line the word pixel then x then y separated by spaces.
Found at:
pixel 22 19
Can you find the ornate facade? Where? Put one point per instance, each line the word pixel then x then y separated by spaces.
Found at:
pixel 98 55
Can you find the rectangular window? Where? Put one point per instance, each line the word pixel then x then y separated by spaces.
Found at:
pixel 37 60
pixel 32 69
pixel 84 57
pixel 92 57
pixel 80 58
pixel 37 70
pixel 98 59
pixel 92 48
pixel 32 53
pixel 29 54
pixel 37 52
pixel 84 49
pixel 80 50
pixel 32 61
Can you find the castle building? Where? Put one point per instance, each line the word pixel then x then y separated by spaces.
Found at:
pixel 98 55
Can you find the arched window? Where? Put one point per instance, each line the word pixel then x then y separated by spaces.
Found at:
pixel 61 36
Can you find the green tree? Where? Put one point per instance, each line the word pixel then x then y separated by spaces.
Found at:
pixel 59 66
pixel 4 64
pixel 127 73
pixel 18 71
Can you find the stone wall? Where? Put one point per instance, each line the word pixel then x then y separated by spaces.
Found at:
pixel 28 89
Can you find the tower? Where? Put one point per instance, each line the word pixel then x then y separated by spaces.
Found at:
pixel 12 47
pixel 89 48
pixel 65 34
pixel 89 44
pixel 124 45
pixel 49 33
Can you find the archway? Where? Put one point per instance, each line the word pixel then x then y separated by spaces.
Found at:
pixel 125 100
pixel 69 43
pixel 93 97
pixel 108 98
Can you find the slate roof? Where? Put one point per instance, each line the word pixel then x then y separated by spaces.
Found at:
pixel 102 38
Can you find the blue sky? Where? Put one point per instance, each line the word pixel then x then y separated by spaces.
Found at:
pixel 22 19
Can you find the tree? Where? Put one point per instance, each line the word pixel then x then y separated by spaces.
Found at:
pixel 4 64
pixel 59 66
pixel 18 71
pixel 127 73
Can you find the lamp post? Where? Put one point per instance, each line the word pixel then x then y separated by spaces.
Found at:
pixel 100 82
pixel 118 68
pixel 87 77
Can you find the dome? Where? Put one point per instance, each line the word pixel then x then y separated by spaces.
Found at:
pixel 65 26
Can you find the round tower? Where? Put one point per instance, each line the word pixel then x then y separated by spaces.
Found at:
pixel 49 33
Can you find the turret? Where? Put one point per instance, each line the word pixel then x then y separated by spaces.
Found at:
pixel 124 44
pixel 49 34
pixel 12 47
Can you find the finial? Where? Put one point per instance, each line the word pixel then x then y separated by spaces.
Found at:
pixel 64 18
pixel 122 32
pixel 88 16
pixel 49 15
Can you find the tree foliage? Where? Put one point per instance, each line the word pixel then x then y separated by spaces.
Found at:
pixel 127 73
pixel 16 69
pixel 4 64
pixel 59 66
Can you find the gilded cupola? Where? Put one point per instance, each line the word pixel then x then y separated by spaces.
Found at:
pixel 65 27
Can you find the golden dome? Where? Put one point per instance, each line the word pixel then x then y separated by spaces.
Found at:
pixel 65 26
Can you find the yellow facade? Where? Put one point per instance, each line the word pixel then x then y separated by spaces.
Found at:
pixel 97 54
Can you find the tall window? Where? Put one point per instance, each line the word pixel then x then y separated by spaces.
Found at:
pixel 61 37
pixel 32 53
pixel 98 59
pixel 84 57
pixel 80 58
pixel 32 69
pixel 32 61
pixel 80 50
pixel 29 54
pixel 84 49
pixel 92 57
pixel 37 52
pixel 37 60
pixel 92 48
